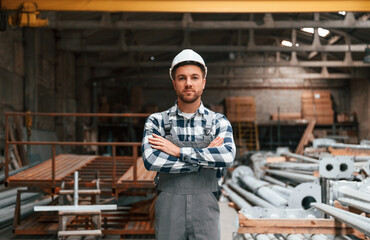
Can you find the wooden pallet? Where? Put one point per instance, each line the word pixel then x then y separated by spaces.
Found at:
pixel 317 105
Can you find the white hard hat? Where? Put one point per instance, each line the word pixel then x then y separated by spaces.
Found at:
pixel 188 55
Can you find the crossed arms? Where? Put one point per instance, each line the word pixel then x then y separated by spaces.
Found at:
pixel 161 155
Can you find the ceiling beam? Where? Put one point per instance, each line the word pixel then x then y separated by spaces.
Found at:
pixel 347 23
pixel 155 64
pixel 76 46
pixel 323 76
pixel 202 6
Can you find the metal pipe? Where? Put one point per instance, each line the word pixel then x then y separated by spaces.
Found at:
pixel 248 236
pixel 342 145
pixel 347 191
pixel 53 173
pixel 348 218
pixel 11 200
pixel 316 236
pixel 239 201
pixel 283 190
pixel 259 188
pixel 342 237
pixel 293 176
pixel 361 158
pixel 259 236
pixel 76 189
pixel 275 181
pixel 6 148
pixel 250 196
pixel 294 166
pixel 299 157
pixel 293 236
pixel 272 236
pixel 7 214
pixel 364 206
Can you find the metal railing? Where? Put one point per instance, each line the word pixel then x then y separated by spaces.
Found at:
pixel 53 144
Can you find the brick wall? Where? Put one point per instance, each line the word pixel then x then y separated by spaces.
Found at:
pixel 360 103
pixel 11 76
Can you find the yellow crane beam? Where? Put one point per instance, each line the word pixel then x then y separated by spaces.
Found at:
pixel 204 6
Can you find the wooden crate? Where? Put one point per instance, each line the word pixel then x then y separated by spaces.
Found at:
pixel 317 105
pixel 240 109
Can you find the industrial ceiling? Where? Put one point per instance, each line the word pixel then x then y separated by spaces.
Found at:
pixel 126 41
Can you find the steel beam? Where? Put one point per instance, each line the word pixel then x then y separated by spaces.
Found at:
pixel 157 64
pixel 204 25
pixel 211 6
pixel 72 45
pixel 335 76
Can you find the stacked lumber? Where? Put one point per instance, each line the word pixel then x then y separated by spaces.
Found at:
pixel 286 116
pixel 317 106
pixel 240 109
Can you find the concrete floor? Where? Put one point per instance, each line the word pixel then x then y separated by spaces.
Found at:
pixel 228 219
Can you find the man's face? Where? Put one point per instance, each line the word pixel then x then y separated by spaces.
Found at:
pixel 189 83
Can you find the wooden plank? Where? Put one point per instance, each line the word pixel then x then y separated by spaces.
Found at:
pixel 275 159
pixel 349 151
pixel 304 140
pixel 286 116
pixel 312 226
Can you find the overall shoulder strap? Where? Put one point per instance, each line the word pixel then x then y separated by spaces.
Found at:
pixel 167 124
pixel 208 127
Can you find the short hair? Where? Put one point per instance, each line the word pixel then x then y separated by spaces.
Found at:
pixel 173 71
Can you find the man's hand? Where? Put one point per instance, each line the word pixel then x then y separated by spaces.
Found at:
pixel 218 141
pixel 164 145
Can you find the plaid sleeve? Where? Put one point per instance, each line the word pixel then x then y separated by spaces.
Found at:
pixel 156 160
pixel 219 157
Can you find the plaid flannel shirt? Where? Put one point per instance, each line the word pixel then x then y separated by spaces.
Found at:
pixel 191 159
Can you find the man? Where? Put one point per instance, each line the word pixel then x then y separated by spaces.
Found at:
pixel 188 145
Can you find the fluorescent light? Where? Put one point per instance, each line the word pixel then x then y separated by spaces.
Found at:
pixel 307 30
pixel 322 31
pixel 342 13
pixel 286 43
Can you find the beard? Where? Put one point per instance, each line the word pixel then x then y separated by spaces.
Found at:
pixel 189 99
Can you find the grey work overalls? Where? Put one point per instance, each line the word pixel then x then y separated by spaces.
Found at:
pixel 186 207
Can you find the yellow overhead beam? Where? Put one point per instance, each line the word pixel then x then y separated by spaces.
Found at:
pixel 206 6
